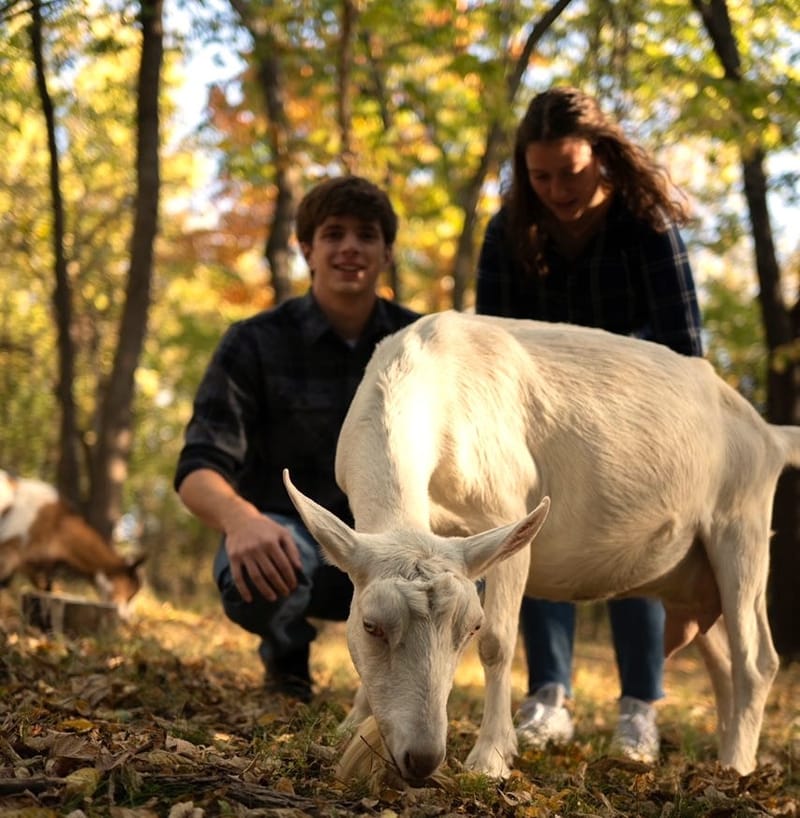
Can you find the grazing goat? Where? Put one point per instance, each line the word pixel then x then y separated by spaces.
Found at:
pixel 39 532
pixel 660 480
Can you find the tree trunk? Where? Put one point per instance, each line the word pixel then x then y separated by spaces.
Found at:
pixel 783 393
pixel 111 455
pixel 379 88
pixel 469 195
pixel 287 182
pixel 465 254
pixel 783 406
pixel 67 469
pixel 345 70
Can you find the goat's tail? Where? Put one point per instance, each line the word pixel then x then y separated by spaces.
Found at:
pixel 788 438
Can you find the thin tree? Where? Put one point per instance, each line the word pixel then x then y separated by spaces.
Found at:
pixel 111 455
pixel 67 468
pixel 468 196
pixel 267 52
pixel 344 106
pixel 782 327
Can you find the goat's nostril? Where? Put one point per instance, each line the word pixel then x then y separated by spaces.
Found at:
pixel 421 765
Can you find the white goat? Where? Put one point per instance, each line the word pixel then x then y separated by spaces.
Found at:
pixel 661 479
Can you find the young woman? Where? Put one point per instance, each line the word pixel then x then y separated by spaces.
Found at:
pixel 588 235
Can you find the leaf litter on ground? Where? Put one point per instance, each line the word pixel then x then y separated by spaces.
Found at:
pixel 168 717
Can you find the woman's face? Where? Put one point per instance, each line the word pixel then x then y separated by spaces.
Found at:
pixel 565 175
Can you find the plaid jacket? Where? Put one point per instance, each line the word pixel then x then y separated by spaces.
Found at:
pixel 630 280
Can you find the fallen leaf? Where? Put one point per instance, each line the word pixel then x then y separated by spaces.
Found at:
pixel 185 809
pixel 76 725
pixel 71 746
pixel 83 782
pixel 285 786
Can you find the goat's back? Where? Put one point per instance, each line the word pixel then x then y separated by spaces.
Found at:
pixel 477 417
pixel 23 498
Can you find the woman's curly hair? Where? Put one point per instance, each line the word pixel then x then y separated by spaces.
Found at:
pixel 643 185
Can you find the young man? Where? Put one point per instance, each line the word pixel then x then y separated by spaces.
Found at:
pixel 274 396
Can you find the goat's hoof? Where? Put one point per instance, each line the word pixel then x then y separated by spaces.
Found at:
pixel 494 766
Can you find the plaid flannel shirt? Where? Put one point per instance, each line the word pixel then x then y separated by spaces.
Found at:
pixel 275 395
pixel 630 279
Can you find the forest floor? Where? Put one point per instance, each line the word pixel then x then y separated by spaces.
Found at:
pixel 167 716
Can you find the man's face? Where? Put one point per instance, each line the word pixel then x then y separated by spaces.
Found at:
pixel 346 256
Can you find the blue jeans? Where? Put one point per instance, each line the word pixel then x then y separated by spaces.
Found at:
pixel 637 627
pixel 323 592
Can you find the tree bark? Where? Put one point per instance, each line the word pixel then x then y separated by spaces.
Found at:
pixel 287 181
pixel 783 391
pixel 112 452
pixel 67 468
pixel 376 75
pixel 345 68
pixel 470 194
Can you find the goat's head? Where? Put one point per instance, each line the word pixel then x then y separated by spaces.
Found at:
pixel 415 607
pixel 119 585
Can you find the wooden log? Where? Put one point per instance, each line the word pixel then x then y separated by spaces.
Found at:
pixel 69 615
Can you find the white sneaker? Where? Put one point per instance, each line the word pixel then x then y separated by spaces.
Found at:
pixel 543 718
pixel 636 736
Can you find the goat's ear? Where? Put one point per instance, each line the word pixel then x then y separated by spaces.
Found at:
pixel 337 540
pixel 481 551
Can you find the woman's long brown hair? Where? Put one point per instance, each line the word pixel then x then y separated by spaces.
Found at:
pixel 643 185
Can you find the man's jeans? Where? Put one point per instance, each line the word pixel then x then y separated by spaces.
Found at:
pixel 637 627
pixel 323 592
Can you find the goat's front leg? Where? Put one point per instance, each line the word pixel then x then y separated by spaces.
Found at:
pixel 496 747
pixel 358 712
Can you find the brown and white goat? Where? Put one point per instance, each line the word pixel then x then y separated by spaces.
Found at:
pixel 660 480
pixel 40 532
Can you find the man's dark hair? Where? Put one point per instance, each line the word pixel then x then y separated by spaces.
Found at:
pixel 345 196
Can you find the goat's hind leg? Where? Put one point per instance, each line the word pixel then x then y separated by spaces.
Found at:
pixel 496 746
pixel 742 580
pixel 714 648
pixel 10 562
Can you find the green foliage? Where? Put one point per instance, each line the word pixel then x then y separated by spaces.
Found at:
pixel 736 347
pixel 427 78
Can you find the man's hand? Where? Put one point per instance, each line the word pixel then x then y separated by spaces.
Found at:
pixel 256 545
pixel 265 551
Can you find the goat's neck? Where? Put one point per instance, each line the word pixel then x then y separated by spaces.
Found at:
pixel 388 486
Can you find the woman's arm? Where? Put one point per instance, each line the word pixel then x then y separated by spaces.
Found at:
pixel 493 283
pixel 670 292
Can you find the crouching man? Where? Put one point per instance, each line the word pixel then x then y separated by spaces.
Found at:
pixel 274 396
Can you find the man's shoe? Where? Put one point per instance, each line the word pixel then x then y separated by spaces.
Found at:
pixel 289 676
pixel 291 687
pixel 636 736
pixel 543 718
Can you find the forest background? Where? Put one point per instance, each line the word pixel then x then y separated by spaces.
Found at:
pixel 153 155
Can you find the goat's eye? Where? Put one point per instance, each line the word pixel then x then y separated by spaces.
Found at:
pixel 374 629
